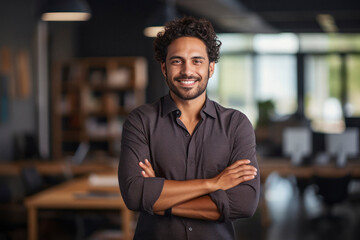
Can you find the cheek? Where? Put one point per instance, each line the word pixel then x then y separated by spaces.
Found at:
pixel 205 73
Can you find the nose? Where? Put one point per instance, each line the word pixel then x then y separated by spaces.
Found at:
pixel 187 68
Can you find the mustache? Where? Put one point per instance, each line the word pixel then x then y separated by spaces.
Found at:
pixel 186 77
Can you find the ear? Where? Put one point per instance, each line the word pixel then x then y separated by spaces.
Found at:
pixel 163 68
pixel 211 69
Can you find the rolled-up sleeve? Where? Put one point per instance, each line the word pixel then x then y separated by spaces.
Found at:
pixel 139 193
pixel 242 200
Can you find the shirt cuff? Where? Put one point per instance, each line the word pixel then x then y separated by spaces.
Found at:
pixel 151 191
pixel 221 200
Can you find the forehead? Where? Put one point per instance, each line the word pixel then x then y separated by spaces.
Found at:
pixel 187 45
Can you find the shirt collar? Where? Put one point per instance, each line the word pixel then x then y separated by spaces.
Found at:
pixel 209 108
pixel 168 106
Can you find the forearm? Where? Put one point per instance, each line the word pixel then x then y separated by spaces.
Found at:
pixel 178 192
pixel 199 208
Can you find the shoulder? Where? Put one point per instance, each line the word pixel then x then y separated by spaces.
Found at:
pixel 231 116
pixel 145 111
pixel 141 116
pixel 237 123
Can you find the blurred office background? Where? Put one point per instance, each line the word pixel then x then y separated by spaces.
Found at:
pixel 293 67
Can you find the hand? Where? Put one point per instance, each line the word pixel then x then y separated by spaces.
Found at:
pixel 233 175
pixel 148 171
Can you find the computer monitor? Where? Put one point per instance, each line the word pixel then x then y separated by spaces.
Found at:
pixel 297 143
pixel 80 153
pixel 343 145
pixel 353 122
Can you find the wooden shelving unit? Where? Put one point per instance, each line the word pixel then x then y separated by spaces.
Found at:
pixel 91 98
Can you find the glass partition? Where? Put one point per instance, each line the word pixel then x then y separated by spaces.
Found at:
pixel 353 86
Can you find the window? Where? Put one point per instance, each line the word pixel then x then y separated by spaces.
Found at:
pixel 263 67
pixel 242 80
pixel 235 88
pixel 353 86
pixel 275 80
pixel 323 92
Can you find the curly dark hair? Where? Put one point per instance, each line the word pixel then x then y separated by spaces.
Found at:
pixel 187 27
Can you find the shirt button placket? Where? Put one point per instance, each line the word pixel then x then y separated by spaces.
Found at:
pixel 190 173
pixel 189 231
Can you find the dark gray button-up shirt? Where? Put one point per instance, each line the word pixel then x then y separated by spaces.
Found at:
pixel 155 132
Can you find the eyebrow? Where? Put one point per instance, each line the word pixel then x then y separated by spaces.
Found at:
pixel 198 57
pixel 195 57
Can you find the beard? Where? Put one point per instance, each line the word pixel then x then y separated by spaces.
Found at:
pixel 188 93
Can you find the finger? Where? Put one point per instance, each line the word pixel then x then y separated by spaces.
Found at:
pixel 243 161
pixel 149 172
pixel 242 168
pixel 245 169
pixel 142 165
pixel 246 173
pixel 147 163
pixel 246 178
pixel 239 163
pixel 144 174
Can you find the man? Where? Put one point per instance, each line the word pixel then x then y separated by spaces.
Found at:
pixel 188 164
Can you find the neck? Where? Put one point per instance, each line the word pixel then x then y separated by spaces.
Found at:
pixel 190 109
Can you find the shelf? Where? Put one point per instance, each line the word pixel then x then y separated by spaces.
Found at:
pixel 108 88
pixel 70 87
pixel 91 97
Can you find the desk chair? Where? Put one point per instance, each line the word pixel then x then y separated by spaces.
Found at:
pixel 332 191
pixel 32 180
pixel 12 210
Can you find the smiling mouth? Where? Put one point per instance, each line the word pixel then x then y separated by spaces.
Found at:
pixel 187 82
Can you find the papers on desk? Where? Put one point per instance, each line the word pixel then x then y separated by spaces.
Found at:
pixel 103 181
pixel 99 187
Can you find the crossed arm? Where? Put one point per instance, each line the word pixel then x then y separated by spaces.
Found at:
pixel 190 198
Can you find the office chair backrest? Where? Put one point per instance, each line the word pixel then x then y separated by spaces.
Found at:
pixel 333 189
pixel 32 180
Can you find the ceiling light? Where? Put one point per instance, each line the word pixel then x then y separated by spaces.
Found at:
pixel 158 19
pixel 327 23
pixel 65 10
pixel 153 31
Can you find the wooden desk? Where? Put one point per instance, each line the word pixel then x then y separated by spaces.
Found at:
pixel 63 197
pixel 284 168
pixel 55 168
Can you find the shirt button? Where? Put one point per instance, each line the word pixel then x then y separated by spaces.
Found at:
pixel 188 135
pixel 190 229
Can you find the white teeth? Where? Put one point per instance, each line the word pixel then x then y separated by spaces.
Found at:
pixel 187 82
